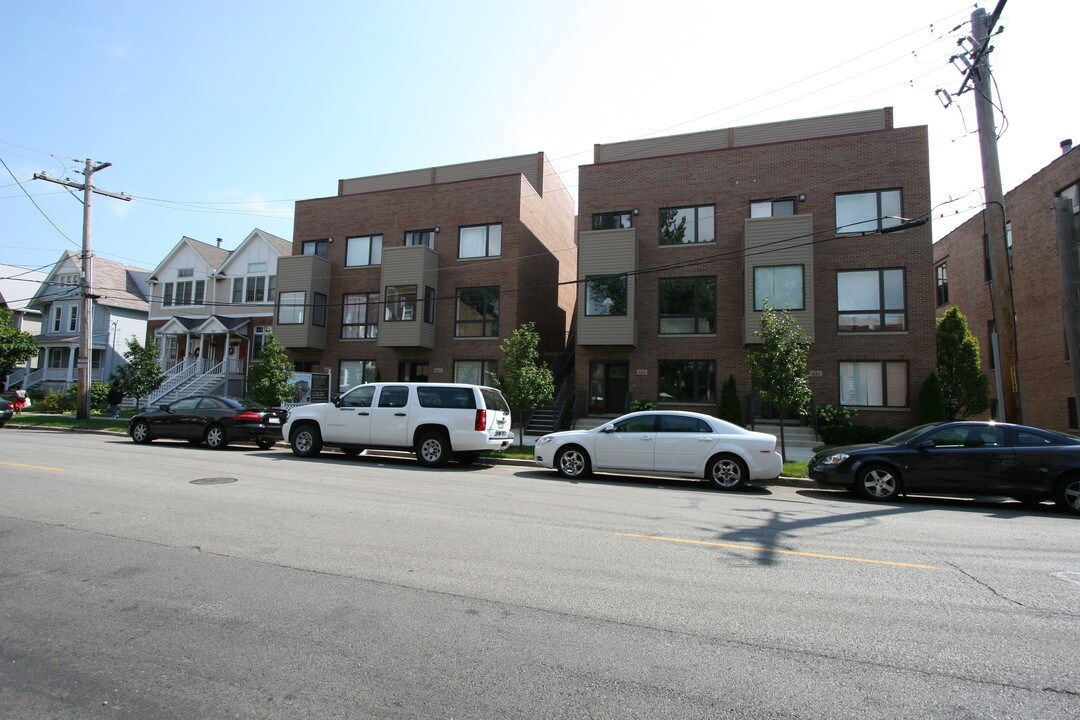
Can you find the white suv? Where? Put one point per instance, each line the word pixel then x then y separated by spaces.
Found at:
pixel 434 420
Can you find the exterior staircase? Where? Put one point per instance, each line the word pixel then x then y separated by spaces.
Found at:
pixel 187 382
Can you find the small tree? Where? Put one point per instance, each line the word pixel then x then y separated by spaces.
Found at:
pixel 730 409
pixel 964 386
pixel 523 378
pixel 269 380
pixel 931 401
pixel 16 346
pixel 780 366
pixel 142 374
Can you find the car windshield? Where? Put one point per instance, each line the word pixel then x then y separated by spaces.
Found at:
pixel 906 435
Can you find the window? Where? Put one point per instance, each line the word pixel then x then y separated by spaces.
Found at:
pixel 185 272
pixel 363 250
pixel 318 310
pixel 611 220
pixel 688 306
pixel 1072 193
pixel 781 285
pixel 421 237
pixel 400 303
pixel 238 290
pixel 874 384
pixel 73 319
pixel 360 316
pixel 167 295
pixel 394 396
pixel 638 424
pixel 258 341
pixel 689 381
pixel 1074 421
pixel 271 288
pixel 688 225
pixel 429 305
pixel 942 272
pixel 291 308
pixel 355 372
pixel 871 300
pixel 970 436
pixel 682 424
pixel 255 289
pixel 1009 244
pixel 477 312
pixel 359 397
pixel 446 397
pixel 868 212
pixel 475 372
pixel 68 279
pixel 183 293
pixel 316 247
pixel 480 241
pixel 781 207
pixel 605 295
pixel 991 330
pixel 58 314
pixel 58 358
pixel 256 268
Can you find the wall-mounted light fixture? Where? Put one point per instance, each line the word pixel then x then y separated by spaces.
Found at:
pixel 329 240
pixel 635 211
pixel 437 228
pixel 802 197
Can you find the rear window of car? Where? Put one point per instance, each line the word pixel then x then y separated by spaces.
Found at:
pixel 446 397
pixel 494 400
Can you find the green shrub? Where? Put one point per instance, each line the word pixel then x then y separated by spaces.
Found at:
pixel 642 404
pixel 836 424
pixel 932 401
pixel 56 401
pixel 729 408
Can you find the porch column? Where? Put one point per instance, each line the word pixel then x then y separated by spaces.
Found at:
pixel 72 355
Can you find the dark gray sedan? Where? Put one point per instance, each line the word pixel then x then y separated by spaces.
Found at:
pixel 211 419
pixel 960 458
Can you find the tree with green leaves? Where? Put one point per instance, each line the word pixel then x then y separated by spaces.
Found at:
pixel 269 382
pixel 963 383
pixel 142 374
pixel 931 401
pixel 16 346
pixel 730 408
pixel 779 368
pixel 523 378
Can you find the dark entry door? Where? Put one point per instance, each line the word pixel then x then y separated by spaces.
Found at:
pixel 616 387
pixel 413 371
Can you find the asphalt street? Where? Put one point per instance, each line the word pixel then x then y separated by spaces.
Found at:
pixel 167 581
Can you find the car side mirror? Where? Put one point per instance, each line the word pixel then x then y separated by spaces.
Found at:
pixel 163 408
pixel 337 401
pixel 609 428
pixel 923 445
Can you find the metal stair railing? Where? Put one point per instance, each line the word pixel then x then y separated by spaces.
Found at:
pixel 171 383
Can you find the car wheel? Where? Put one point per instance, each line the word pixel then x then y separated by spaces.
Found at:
pixel 306 441
pixel 573 462
pixel 264 443
pixel 215 437
pixel 140 432
pixel 1067 494
pixel 433 448
pixel 878 482
pixel 351 452
pixel 467 458
pixel 726 472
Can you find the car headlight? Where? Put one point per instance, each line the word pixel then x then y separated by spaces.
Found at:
pixel 834 459
pixel 543 441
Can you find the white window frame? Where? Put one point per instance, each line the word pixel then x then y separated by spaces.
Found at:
pixel 492 241
pixel 363 250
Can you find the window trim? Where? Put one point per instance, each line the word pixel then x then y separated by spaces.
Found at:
pixel 709 392
pixel 879 220
pixel 597 219
pixel 661 316
pixel 423 233
pixel 302 306
pixel 487 241
pixel 485 322
pixel 400 299
pixel 697 225
pixel 366 330
pixel 485 373
pixel 941 283
pixel 371 243
pixel 322 243
pixel 772 206
pixel 881 311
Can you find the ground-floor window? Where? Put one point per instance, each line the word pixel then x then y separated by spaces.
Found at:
pixel 475 372
pixel 874 384
pixel 687 381
pixel 355 372
pixel 58 358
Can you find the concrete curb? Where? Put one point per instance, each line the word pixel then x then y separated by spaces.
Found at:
pixel 780 481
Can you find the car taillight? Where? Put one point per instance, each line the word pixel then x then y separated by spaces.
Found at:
pixel 481 420
pixel 249 416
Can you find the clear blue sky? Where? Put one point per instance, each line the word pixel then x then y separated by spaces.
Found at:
pixel 218 115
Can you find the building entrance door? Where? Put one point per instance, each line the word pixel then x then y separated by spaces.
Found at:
pixel 609 386
pixel 413 371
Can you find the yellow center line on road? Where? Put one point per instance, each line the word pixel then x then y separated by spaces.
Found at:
pixel 35 467
pixel 776 551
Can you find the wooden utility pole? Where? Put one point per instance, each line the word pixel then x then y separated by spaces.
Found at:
pixel 86 334
pixel 1068 236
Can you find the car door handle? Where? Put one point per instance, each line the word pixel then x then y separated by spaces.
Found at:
pixel 363 413
pixel 400 414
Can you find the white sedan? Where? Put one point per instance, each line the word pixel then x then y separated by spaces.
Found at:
pixel 664 442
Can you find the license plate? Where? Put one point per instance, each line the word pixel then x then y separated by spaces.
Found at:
pixel 502 434
pixel 274 420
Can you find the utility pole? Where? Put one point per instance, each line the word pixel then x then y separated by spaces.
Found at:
pixel 977 72
pixel 86 334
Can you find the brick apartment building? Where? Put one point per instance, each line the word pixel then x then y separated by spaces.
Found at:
pixel 683 238
pixel 420 275
pixel 962 272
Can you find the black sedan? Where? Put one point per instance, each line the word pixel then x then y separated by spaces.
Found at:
pixel 210 419
pixel 960 458
pixel 6 410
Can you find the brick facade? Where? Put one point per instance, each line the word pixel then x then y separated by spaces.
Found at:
pixel 813 170
pixel 1043 364
pixel 537 253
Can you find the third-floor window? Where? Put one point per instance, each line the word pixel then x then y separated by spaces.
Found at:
pixel 688 225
